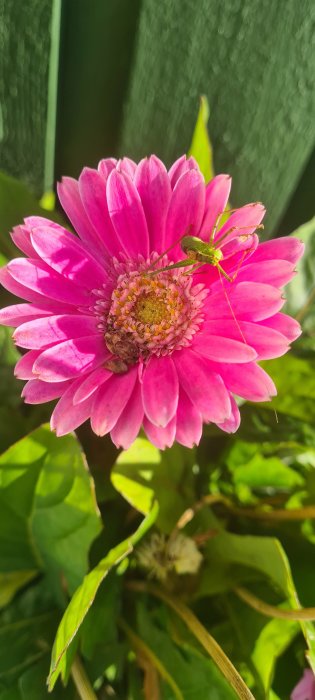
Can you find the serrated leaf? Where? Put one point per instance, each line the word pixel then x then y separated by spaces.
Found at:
pixel 251 467
pixel 200 147
pixel 84 597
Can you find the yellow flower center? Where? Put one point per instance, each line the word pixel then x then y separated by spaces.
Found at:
pixel 150 309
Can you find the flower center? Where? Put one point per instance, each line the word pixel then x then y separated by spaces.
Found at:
pixel 149 309
pixel 150 313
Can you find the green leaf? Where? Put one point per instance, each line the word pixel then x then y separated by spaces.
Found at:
pixel 260 423
pixel 48 515
pixel 200 147
pixel 27 628
pixel 195 675
pixel 143 473
pixel 32 684
pixel 85 594
pixel 294 378
pixel 274 638
pixel 250 467
pixel 10 583
pixel 234 558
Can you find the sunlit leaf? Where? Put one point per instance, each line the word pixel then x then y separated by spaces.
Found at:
pixel 85 594
pixel 48 515
pixel 143 473
pixel 271 643
pixel 200 147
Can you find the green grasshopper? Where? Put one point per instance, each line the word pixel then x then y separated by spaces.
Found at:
pixel 200 253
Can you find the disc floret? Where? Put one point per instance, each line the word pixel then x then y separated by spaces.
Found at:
pixel 151 315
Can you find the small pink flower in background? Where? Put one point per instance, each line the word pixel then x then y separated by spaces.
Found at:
pixel 131 349
pixel 305 689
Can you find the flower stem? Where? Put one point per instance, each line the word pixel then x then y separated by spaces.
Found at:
pixel 205 639
pixel 272 610
pixel 81 681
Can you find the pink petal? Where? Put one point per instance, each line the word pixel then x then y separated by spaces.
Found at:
pixel 217 195
pixel 94 380
pixel 160 390
pixel 65 254
pixel 238 250
pixel 32 222
pixel 70 358
pixel 54 329
pixel 186 210
pixel 153 185
pixel 274 272
pixel 127 215
pixel 111 400
pixel 243 221
pixel 21 237
pixel 130 420
pixel 286 248
pixel 21 313
pixel 24 367
pixel 284 324
pixel 267 342
pixel 23 292
pixel 249 301
pixel 222 349
pixel 204 387
pixel 92 187
pixel 105 166
pixel 232 424
pixel 160 437
pixel 189 422
pixel 37 277
pixel 181 166
pixel 69 196
pixel 35 391
pixel 127 166
pixel 249 381
pixel 66 416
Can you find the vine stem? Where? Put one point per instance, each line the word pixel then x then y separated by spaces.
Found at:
pixel 81 680
pixel 271 610
pixel 278 514
pixel 205 639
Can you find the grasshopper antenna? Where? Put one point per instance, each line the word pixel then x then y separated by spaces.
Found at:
pixel 231 309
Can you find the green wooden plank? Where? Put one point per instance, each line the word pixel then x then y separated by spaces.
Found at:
pixel 24 70
pixel 96 54
pixel 255 62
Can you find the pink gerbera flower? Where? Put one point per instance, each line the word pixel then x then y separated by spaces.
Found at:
pixel 125 347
